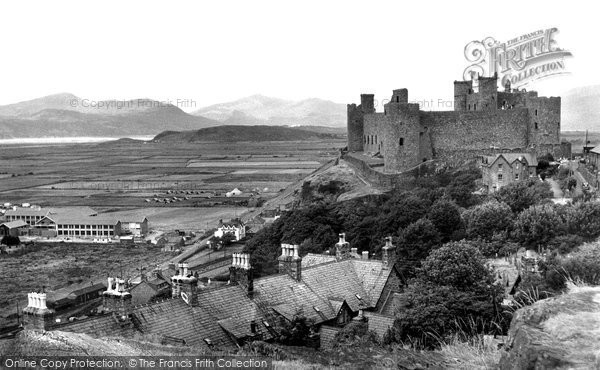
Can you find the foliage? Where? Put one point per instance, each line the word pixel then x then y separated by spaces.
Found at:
pixel 462 186
pixel 452 286
pixel 10 240
pixel 538 224
pixel 521 195
pixel 355 334
pixel 417 240
pixel 457 264
pixel 296 332
pixel 487 219
pixel 445 216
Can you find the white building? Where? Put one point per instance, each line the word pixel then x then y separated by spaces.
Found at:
pixel 236 228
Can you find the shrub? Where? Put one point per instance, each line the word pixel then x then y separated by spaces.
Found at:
pixel 487 219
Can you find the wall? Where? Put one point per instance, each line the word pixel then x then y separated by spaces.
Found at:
pixel 547 119
pixel 355 128
pixel 476 130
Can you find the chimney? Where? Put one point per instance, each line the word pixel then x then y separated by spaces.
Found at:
pixel 185 285
pixel 388 258
pixel 241 271
pixel 354 250
pixel 365 255
pixel 290 261
pixel 37 316
pixel 342 248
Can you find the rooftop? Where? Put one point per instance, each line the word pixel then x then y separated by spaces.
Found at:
pixel 512 157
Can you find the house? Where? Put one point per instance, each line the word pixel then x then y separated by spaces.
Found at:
pixel 505 168
pixel 255 225
pixel 594 157
pixel 329 294
pixel 14 228
pixel 234 227
pixel 75 294
pixel 135 228
pixel 149 290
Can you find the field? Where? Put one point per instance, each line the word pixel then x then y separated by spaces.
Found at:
pixel 55 265
pixel 143 177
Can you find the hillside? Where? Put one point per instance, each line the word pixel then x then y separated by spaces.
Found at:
pixel 263 110
pixel 242 133
pixel 65 115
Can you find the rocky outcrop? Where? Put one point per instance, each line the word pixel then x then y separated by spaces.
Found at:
pixel 556 333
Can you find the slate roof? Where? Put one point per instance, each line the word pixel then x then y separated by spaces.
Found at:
pixel 15 224
pixel 66 219
pixel 176 319
pixel 379 323
pixel 233 310
pixel 97 326
pixel 27 212
pixel 323 285
pixel 392 304
pixel 595 150
pixel 512 157
pixel 313 259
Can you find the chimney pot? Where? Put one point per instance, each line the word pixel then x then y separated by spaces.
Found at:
pixel 296 247
pixel 365 255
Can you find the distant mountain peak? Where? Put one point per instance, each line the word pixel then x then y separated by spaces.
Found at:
pixel 261 109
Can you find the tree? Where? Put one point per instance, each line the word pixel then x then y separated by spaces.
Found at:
pixel 445 216
pixel 10 240
pixel 487 219
pixel 538 224
pixel 418 239
pixel 452 293
pixel 521 195
pixel 457 264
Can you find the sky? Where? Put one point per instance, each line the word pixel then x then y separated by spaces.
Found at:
pixel 216 51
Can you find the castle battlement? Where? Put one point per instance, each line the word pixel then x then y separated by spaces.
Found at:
pixel 483 118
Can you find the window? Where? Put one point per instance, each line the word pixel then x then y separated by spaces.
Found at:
pixel 469 106
pixel 475 106
pixel 499 177
pixel 536 125
pixel 536 112
pixel 397 99
pixel 500 167
pixel 401 141
pixel 516 176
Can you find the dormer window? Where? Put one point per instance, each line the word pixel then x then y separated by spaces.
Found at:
pixel 316 309
pixel 358 297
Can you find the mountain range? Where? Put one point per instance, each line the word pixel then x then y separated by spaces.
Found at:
pixel 66 115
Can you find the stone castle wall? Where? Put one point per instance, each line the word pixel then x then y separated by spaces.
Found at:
pixel 477 130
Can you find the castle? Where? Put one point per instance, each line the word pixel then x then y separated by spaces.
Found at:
pixel 484 121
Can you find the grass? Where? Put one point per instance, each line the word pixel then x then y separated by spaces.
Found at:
pixel 474 354
pixel 60 264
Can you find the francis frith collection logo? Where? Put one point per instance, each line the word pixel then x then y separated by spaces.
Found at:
pixel 520 60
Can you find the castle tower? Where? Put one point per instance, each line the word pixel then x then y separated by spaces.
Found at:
pixel 241 272
pixel 388 257
pixel 37 316
pixel 342 248
pixel 290 261
pixel 355 116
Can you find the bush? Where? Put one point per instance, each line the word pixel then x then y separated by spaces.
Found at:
pixel 487 219
pixel 522 195
pixel 538 224
pixel 445 216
